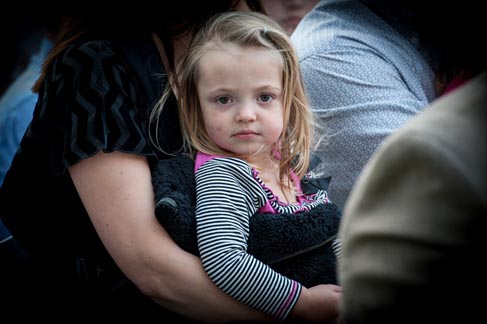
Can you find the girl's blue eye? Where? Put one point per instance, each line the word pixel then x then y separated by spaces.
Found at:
pixel 223 100
pixel 265 98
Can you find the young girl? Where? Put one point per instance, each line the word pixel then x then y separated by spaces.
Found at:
pixel 245 117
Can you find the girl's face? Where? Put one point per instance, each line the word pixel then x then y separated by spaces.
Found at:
pixel 240 92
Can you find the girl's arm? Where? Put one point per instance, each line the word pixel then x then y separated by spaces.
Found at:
pixel 117 192
pixel 227 196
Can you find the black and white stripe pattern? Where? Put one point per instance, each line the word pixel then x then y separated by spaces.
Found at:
pixel 228 194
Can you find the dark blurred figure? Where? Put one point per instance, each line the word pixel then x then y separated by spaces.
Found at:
pixel 446 35
pixel 21 37
pixel 413 229
pixel 35 35
pixel 18 101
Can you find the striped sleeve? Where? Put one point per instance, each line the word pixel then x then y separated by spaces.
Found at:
pixel 227 196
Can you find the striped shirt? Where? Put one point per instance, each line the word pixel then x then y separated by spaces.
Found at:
pixel 229 192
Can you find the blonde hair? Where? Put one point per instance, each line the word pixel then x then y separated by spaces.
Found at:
pixel 246 29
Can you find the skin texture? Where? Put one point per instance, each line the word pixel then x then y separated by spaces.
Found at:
pixel 243 115
pixel 122 211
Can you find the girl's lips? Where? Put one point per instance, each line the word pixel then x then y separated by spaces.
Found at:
pixel 245 134
pixel 246 131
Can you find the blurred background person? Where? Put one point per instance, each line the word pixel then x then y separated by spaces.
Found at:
pixel 20 39
pixel 18 101
pixel 413 230
pixel 288 13
pixel 366 72
pixel 35 35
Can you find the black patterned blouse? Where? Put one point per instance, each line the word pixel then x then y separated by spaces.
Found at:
pixel 97 95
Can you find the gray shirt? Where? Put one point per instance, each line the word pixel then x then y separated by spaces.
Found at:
pixel 364 80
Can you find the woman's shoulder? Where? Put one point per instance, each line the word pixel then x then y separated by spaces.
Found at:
pixel 86 50
pixel 95 54
pixel 97 68
pixel 86 61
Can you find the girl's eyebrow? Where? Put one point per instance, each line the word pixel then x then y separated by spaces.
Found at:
pixel 219 90
pixel 269 87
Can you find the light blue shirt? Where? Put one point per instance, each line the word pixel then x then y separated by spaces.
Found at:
pixel 16 108
pixel 364 80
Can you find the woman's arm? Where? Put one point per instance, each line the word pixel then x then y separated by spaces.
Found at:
pixel 117 192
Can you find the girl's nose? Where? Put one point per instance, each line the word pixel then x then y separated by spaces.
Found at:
pixel 245 113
